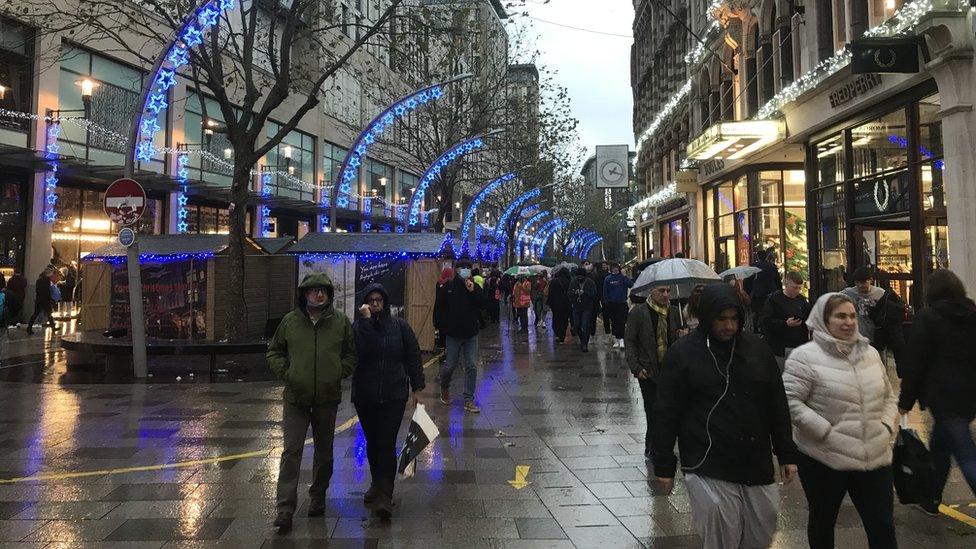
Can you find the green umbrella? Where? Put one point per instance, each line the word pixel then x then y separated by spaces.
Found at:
pixel 520 270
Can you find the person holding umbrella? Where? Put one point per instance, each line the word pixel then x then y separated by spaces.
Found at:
pixel 389 364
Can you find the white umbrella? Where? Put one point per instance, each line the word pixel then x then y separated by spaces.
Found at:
pixel 741 272
pixel 681 274
pixel 565 265
pixel 539 268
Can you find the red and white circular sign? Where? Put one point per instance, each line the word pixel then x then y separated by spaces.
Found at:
pixel 125 201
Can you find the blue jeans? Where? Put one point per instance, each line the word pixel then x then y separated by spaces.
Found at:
pixel 582 323
pixel 951 437
pixel 458 348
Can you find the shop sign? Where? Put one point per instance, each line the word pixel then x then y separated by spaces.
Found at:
pixel 686 181
pixel 854 88
pixel 888 55
pixel 713 166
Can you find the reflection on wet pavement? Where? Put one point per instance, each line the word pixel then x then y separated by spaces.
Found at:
pixel 193 463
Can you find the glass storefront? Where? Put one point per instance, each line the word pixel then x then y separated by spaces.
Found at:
pixel 13 222
pixel 762 209
pixel 295 155
pixel 675 237
pixel 881 200
pixel 17 76
pixel 82 226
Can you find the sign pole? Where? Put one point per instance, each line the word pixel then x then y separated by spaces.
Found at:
pixel 139 366
pixel 125 202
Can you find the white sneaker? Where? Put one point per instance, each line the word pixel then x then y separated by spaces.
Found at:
pixel 616 344
pixel 621 342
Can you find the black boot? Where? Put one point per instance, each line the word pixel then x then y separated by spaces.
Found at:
pixel 283 521
pixel 316 508
pixel 383 506
pixel 371 494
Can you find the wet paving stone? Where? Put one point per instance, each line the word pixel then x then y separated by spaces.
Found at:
pixel 576 421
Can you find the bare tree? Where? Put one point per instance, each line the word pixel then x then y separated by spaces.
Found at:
pixel 259 56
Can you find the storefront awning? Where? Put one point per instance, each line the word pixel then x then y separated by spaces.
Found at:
pixel 734 140
pixel 379 243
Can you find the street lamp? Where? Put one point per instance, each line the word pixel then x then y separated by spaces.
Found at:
pixel 87 86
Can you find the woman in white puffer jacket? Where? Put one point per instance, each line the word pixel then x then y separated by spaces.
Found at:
pixel 844 415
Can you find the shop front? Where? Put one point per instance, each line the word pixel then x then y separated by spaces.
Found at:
pixel 675 231
pixel 13 220
pixel 876 192
pixel 757 207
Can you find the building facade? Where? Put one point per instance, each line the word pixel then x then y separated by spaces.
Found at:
pixel 44 75
pixel 795 153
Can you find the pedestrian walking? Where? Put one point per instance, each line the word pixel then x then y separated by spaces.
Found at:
pixel 539 293
pixel 651 329
pixel 493 297
pixel 388 371
pixel 762 285
pixel 720 395
pixel 583 297
pixel 690 311
pixel 447 276
pixel 615 288
pixel 16 293
pixel 784 318
pixel 880 315
pixel 312 351
pixel 44 300
pixel 521 301
pixel 460 301
pixel 559 303
pixel 599 273
pixel 940 375
pixel 844 419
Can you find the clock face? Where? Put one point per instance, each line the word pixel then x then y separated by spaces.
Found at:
pixel 612 171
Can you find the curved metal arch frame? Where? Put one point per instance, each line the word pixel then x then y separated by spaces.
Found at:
pixel 524 229
pixel 472 211
pixel 594 242
pixel 586 243
pixel 506 217
pixel 572 248
pixel 543 240
pixel 353 160
pixel 536 235
pixel 455 152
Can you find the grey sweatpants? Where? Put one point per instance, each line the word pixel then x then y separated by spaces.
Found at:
pixel 732 516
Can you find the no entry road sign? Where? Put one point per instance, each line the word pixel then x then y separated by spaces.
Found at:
pixel 125 201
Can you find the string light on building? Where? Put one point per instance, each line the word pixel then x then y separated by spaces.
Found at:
pixel 668 193
pixel 52 152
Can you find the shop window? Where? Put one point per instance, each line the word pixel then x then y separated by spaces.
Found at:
pixel 332 157
pixel 882 195
pixel 211 155
pixel 880 145
pixel 16 76
pixel 830 160
pixel 833 238
pixel 795 252
pixel 295 175
pixel 82 226
pixel 379 184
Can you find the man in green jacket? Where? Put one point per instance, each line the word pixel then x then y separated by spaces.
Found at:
pixel 312 351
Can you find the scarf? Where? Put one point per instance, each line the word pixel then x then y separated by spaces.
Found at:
pixel 662 329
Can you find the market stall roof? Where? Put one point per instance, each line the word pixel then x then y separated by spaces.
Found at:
pixel 175 244
pixel 275 245
pixel 365 243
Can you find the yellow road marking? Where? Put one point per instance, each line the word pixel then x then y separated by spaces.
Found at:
pixel 521 471
pixel 348 424
pixel 961 517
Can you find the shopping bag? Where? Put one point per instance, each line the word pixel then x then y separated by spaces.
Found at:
pixel 912 466
pixel 422 432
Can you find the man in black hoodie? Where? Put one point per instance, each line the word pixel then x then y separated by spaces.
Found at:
pixel 460 304
pixel 762 285
pixel 389 365
pixel 784 319
pixel 558 302
pixel 720 394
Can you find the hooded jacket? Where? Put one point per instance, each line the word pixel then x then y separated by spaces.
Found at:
pixel 841 401
pixel 615 288
pixel 765 282
pixel 940 372
pixel 313 357
pixel 456 310
pixel 558 299
pixel 582 292
pixel 738 384
pixel 389 356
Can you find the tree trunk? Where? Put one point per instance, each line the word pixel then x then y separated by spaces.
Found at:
pixel 236 322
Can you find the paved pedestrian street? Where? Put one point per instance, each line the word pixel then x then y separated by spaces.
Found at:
pixel 554 460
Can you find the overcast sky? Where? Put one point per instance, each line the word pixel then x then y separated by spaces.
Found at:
pixel 594 67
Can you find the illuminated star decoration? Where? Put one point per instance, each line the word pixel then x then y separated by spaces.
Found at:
pixel 372 133
pixel 472 212
pixel 501 229
pixel 183 177
pixel 49 212
pixel 454 153
pixel 165 78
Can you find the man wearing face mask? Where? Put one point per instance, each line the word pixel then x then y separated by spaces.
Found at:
pixel 312 350
pixel 459 302
pixel 721 396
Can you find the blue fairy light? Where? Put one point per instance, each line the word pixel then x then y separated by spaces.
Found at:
pixel 469 216
pixel 454 153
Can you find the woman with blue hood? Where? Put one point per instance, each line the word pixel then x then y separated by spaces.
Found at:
pixel 844 419
pixel 389 369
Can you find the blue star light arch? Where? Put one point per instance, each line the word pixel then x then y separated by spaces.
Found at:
pixel 545 234
pixel 501 230
pixel 588 245
pixel 575 241
pixel 469 216
pixel 349 173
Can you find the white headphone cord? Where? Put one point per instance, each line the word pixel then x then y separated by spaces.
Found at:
pixel 708 419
